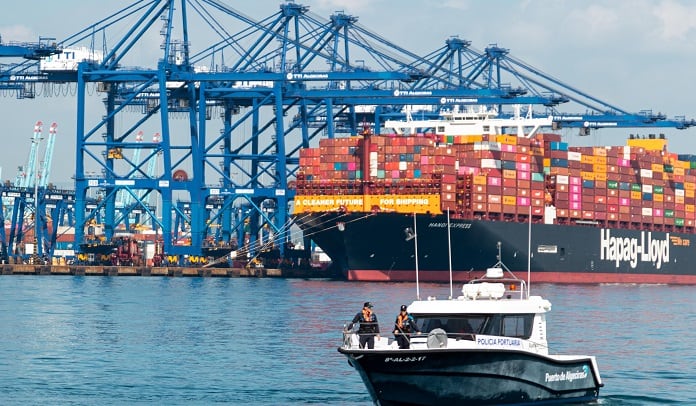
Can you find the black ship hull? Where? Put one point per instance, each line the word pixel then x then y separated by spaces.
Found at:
pixel 381 247
pixel 480 377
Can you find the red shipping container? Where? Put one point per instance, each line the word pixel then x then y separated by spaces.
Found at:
pixel 507 182
pixel 495 207
pixel 509 209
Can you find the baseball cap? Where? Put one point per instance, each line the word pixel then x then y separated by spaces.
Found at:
pixel 368 304
pixel 403 308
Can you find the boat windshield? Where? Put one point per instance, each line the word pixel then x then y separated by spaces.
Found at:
pixel 507 325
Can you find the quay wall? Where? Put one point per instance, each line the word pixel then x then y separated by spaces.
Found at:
pixel 84 270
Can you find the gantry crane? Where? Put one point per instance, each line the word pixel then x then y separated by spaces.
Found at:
pixel 256 94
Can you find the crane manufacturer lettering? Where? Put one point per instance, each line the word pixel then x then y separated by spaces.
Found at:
pixel 632 250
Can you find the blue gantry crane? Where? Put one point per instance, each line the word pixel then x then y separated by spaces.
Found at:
pixel 235 99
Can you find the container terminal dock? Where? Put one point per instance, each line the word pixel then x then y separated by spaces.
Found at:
pixel 262 155
pixel 86 270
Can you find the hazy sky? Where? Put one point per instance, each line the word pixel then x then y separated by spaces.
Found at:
pixel 636 54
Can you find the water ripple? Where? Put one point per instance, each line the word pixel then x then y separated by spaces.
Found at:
pixel 103 340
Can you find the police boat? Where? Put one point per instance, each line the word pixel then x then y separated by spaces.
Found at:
pixel 487 346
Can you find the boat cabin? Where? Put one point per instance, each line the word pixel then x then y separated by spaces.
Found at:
pixel 492 312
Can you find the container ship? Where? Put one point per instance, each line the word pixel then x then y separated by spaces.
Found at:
pixel 443 204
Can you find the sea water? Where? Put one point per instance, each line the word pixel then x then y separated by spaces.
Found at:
pixel 149 340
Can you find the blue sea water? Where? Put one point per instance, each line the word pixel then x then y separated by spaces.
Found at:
pixel 141 340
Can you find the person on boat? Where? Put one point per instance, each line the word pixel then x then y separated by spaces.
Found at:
pixel 403 327
pixel 369 327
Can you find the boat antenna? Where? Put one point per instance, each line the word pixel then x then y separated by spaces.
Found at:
pixel 449 248
pixel 415 245
pixel 529 251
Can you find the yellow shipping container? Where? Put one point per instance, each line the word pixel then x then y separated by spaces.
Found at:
pixel 587 175
pixel 658 197
pixel 636 195
pixel 600 168
pixel 649 144
pixel 507 139
pixel 509 174
pixel 690 208
pixel 404 203
pixel 479 179
pixel 587 159
pixel 599 151
pixel 509 200
pixel 657 167
pixel 600 176
pixel 602 160
pixel 547 162
pixel 690 193
pixel 360 203
pixel 679 199
pixel 320 203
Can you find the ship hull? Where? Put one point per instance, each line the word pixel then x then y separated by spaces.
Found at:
pixel 377 247
pixel 413 377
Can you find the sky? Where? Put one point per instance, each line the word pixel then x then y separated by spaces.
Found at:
pixel 636 55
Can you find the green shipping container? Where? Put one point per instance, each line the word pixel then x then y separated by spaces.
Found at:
pixel 679 222
pixel 658 189
pixel 669 213
pixel 612 184
pixel 636 187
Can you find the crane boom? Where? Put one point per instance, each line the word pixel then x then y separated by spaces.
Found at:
pixel 29 174
pixel 48 156
pixel 30 50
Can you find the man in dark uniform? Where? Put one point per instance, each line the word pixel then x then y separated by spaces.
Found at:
pixel 369 328
pixel 403 327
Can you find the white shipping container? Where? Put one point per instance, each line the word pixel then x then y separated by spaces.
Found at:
pixel 562 179
pixel 574 156
pixel 489 163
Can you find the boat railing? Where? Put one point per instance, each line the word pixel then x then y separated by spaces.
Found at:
pixel 351 339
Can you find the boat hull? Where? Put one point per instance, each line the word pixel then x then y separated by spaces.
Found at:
pixel 376 247
pixel 482 377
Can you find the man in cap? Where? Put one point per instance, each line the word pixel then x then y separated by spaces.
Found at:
pixel 403 327
pixel 368 328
